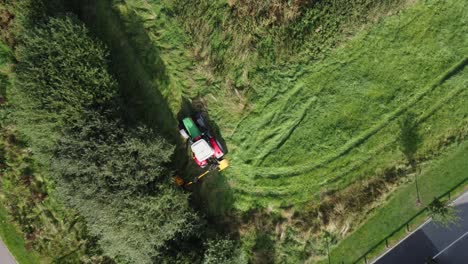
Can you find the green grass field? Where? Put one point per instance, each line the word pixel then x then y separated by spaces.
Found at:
pixel 324 125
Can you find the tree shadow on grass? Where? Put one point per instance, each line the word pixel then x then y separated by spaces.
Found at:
pixel 409 137
pixel 142 76
pixel 140 72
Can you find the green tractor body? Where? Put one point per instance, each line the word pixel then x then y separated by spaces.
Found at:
pixel 191 128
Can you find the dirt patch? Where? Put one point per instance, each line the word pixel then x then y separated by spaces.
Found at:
pixel 272 12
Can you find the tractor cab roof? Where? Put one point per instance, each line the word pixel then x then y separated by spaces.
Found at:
pixel 202 150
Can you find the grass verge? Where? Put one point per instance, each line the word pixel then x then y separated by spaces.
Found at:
pixel 9 233
pixel 402 204
pixel 14 241
pixel 34 224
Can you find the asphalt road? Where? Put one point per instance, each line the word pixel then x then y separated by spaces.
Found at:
pixel 446 245
pixel 5 256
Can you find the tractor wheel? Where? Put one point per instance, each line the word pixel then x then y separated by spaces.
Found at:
pixel 220 146
pixel 201 121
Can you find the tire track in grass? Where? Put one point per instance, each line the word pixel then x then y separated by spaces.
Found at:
pixel 301 194
pixel 250 187
pixel 330 168
pixel 420 120
pixel 376 151
pixel 282 136
pixel 298 72
pixel 300 189
pixel 274 172
pixel 270 137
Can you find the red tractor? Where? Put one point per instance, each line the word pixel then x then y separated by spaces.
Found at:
pixel 206 149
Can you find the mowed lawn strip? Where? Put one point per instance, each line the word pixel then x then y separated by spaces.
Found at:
pixel 436 179
pixel 360 87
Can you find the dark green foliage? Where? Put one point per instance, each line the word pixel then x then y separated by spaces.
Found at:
pixel 139 228
pixel 63 68
pixel 46 227
pixel 409 136
pixel 442 213
pixel 103 153
pixel 4 81
pixel 221 250
pixel 116 179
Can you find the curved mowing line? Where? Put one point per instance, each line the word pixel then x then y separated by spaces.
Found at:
pixel 285 190
pixel 282 138
pixel 442 102
pixel 421 119
pixel 274 172
pixel 332 66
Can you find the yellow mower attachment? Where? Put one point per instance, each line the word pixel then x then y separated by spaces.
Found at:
pixel 222 165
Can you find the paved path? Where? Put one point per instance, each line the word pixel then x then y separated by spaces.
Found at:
pixel 446 245
pixel 5 256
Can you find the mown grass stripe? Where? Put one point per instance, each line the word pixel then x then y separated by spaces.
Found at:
pixel 274 172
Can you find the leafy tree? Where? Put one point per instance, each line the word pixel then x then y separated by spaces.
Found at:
pixel 102 152
pixel 117 179
pixel 442 213
pixel 137 228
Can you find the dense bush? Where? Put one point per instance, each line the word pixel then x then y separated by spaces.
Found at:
pixel 101 152
pixel 222 251
pixel 113 174
pixel 116 178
